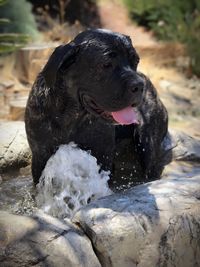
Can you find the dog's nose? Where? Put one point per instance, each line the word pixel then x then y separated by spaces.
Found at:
pixel 136 86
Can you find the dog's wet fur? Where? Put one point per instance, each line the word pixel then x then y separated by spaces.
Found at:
pixel 74 95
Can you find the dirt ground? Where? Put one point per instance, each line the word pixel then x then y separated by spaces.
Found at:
pixel 164 63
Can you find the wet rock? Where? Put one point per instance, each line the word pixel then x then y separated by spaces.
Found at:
pixel 155 224
pixel 14 149
pixel 17 195
pixel 43 241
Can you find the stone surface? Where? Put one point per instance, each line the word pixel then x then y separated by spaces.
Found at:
pixel 43 241
pixel 30 60
pixel 180 169
pixel 155 224
pixel 14 149
pixel 182 152
pixel 17 108
pixel 183 146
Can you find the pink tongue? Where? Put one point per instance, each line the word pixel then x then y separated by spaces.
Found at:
pixel 125 116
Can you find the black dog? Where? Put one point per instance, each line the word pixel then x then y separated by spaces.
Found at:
pixel 87 89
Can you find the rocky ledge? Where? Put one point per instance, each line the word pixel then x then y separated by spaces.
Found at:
pixel 14 149
pixel 154 224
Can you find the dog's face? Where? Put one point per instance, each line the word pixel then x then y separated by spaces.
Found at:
pixel 100 69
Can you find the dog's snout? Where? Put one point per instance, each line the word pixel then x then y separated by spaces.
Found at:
pixel 133 80
pixel 136 86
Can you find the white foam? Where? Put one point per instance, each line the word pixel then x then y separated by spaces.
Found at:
pixel 70 180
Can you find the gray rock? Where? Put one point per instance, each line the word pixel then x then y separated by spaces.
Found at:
pixel 155 224
pixel 14 149
pixel 43 241
pixel 181 154
pixel 183 146
pixel 180 169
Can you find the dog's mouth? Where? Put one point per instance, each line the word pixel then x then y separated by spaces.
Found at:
pixel 125 116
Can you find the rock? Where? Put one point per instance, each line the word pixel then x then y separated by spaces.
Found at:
pixel 181 146
pixel 11 233
pixel 181 169
pixel 155 224
pixel 13 101
pixel 14 148
pixel 182 152
pixel 164 84
pixel 7 84
pixel 43 241
pixel 30 60
pixel 17 108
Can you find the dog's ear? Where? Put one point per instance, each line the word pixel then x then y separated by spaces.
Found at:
pixel 62 57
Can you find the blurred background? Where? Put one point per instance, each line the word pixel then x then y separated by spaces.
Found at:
pixel 166 34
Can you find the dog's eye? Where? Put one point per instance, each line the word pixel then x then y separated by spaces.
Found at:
pixel 112 54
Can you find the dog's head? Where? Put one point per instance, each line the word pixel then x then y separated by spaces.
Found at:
pixel 101 71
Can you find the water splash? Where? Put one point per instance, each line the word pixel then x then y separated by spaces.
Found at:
pixel 70 180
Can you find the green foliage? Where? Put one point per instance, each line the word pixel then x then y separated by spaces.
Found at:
pixel 2 2
pixel 193 44
pixel 11 41
pixel 171 20
pixel 12 34
pixel 167 18
pixel 20 16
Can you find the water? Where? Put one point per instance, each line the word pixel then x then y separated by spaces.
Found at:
pixel 17 194
pixel 70 180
